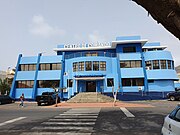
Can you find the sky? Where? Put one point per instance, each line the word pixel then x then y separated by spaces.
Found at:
pixel 29 27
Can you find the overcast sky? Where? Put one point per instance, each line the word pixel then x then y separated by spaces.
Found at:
pixel 29 27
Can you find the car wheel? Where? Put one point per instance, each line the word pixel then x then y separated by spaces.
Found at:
pixel 39 104
pixel 172 98
pixel 0 103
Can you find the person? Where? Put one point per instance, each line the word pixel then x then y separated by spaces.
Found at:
pixel 22 100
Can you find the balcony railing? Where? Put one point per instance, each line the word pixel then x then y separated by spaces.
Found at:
pixel 90 54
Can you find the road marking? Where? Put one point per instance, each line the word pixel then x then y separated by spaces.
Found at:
pixel 126 112
pixel 79 114
pixel 74 116
pixel 63 128
pixel 72 120
pixel 69 123
pixel 11 121
pixel 55 133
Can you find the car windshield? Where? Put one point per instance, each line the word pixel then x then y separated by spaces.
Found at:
pixel 172 114
pixel 177 116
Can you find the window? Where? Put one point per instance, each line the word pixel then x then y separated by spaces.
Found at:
pixel 45 67
pixel 102 65
pixel 155 64
pixel 69 82
pixel 56 66
pixel 48 83
pixel 75 66
pixel 91 54
pixel 150 81
pixel 126 82
pixel 95 65
pixel 177 116
pixel 110 82
pixel 88 65
pixel 28 67
pixel 130 64
pixel 129 49
pixel 163 64
pixel 172 64
pixel 169 64
pixel 81 66
pixel 25 84
pixel 133 81
pixel 148 65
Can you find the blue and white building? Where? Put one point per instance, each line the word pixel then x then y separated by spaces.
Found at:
pixel 129 64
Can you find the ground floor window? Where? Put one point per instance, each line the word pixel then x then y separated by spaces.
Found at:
pixel 48 83
pixel 132 81
pixel 69 82
pixel 110 82
pixel 25 84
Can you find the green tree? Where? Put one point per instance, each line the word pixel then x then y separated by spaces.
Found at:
pixel 4 86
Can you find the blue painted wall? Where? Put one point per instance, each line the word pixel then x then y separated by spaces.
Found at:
pixel 163 78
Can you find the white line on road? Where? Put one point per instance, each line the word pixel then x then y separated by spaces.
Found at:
pixel 54 133
pixel 63 128
pixel 126 112
pixel 79 114
pixel 11 121
pixel 68 123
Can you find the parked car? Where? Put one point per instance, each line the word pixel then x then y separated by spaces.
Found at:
pixel 174 95
pixel 5 99
pixel 47 98
pixel 171 124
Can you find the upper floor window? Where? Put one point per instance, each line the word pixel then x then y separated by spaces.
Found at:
pixel 172 64
pixel 148 65
pixel 88 65
pixel 75 66
pixel 50 66
pixel 155 64
pixel 56 66
pixel 81 66
pixel 95 65
pixel 102 65
pixel 28 67
pixel 163 64
pixel 131 64
pixel 130 49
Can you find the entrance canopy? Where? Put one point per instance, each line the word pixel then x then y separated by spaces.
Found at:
pixel 89 77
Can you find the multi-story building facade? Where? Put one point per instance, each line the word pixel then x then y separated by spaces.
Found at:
pixel 128 64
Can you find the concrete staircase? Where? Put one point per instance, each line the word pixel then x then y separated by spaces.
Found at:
pixel 90 97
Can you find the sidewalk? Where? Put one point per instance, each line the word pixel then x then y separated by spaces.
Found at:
pixel 97 105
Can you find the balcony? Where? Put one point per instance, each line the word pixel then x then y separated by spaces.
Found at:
pixel 90 54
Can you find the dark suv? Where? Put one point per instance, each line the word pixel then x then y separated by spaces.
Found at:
pixel 47 98
pixel 174 95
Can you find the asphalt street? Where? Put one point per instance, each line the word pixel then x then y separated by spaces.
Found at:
pixel 40 120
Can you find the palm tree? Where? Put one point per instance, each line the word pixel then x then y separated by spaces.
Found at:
pixel 4 86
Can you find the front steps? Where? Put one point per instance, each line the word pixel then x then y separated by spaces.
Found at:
pixel 90 97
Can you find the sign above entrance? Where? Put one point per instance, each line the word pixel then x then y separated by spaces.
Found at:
pixel 84 45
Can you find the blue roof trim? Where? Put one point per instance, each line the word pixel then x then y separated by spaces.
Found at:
pixel 153 44
pixel 128 38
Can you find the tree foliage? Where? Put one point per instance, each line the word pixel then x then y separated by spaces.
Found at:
pixel 166 12
pixel 4 86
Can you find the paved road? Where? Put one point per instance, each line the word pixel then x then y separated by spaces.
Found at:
pixel 34 120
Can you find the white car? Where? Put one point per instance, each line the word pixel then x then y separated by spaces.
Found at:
pixel 171 124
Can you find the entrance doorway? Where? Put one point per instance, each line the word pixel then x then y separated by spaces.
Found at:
pixel 90 86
